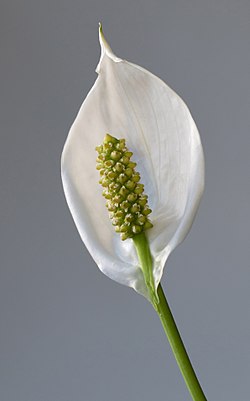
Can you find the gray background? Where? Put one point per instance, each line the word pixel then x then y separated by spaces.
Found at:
pixel 66 331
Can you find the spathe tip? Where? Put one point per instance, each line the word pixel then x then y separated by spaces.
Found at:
pixel 105 48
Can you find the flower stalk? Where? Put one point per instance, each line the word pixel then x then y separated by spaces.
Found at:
pixel 161 306
pixel 178 347
pixel 146 264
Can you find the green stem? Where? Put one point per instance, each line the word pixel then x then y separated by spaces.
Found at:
pixel 145 258
pixel 178 348
pixel 161 306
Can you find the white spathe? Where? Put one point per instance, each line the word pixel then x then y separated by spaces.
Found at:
pixel 129 102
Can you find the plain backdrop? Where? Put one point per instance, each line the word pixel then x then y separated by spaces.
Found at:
pixel 66 331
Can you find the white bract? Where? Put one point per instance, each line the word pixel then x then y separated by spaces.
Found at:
pixel 129 102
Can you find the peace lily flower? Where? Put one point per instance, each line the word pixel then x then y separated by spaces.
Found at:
pixel 151 167
pixel 129 102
